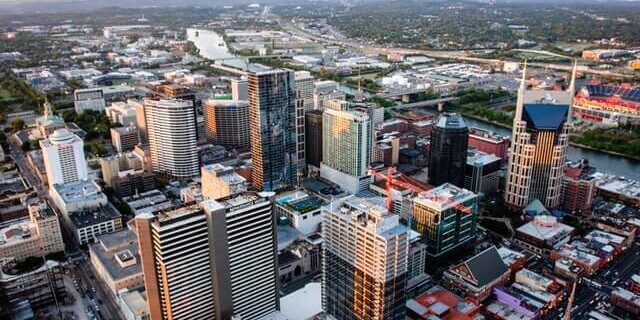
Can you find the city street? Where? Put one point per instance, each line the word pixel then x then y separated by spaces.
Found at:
pixel 95 295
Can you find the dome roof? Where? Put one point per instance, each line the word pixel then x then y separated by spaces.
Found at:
pixel 61 136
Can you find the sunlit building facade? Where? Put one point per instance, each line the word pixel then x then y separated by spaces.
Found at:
pixel 213 260
pixel 446 217
pixel 365 251
pixel 176 263
pixel 540 140
pixel 346 145
pixel 171 129
pixel 226 123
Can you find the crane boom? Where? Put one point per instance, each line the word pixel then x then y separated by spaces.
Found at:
pixel 398 182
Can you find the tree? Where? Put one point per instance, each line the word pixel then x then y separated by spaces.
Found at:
pixel 17 125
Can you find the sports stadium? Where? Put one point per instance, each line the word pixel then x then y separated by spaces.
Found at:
pixel 609 104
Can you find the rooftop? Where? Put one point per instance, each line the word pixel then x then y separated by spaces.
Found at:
pixel 80 191
pixel 300 202
pixel 16 232
pixel 224 173
pixel 149 201
pixel 93 216
pixel 546 228
pixel 232 202
pixel 578 255
pixel 136 302
pixel 445 197
pixel 59 137
pixel 370 213
pixel 176 213
pixel 486 266
pixel 509 256
pixel 622 186
pixel 477 157
pixel 451 121
pixel 109 246
pixel 443 304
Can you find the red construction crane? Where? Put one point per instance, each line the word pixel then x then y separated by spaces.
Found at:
pixel 400 180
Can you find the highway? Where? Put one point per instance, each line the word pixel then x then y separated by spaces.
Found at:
pixel 455 55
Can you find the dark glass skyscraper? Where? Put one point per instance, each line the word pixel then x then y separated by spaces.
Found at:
pixel 313 137
pixel 272 123
pixel 449 144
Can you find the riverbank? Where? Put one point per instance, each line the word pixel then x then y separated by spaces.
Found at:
pixel 574 144
pixel 613 153
pixel 479 118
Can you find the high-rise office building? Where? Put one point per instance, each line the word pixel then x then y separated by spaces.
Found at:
pixel 141 122
pixel 539 146
pixel 239 89
pixel 346 145
pixel 176 264
pixel 272 119
pixel 171 129
pixel 243 245
pixel 125 138
pixel 304 89
pixel 365 251
pixel 446 217
pixel 304 103
pixel 313 137
pixel 449 144
pixel 210 261
pixel 63 157
pixel 226 123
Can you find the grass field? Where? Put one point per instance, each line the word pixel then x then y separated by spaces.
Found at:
pixel 6 98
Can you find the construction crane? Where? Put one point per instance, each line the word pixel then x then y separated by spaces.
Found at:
pixel 567 312
pixel 398 179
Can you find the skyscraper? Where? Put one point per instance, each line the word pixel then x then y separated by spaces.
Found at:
pixel 313 137
pixel 171 128
pixel 446 217
pixel 63 156
pixel 272 119
pixel 449 144
pixel 226 123
pixel 210 261
pixel 176 264
pixel 304 103
pixel 243 245
pixel 539 146
pixel 364 265
pixel 346 141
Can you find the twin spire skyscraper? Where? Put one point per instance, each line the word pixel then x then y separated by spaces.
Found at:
pixel 539 143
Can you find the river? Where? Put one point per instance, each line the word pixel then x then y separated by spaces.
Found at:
pixel 603 162
pixel 212 46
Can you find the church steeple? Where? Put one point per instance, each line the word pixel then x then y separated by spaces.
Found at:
pixel 48 110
